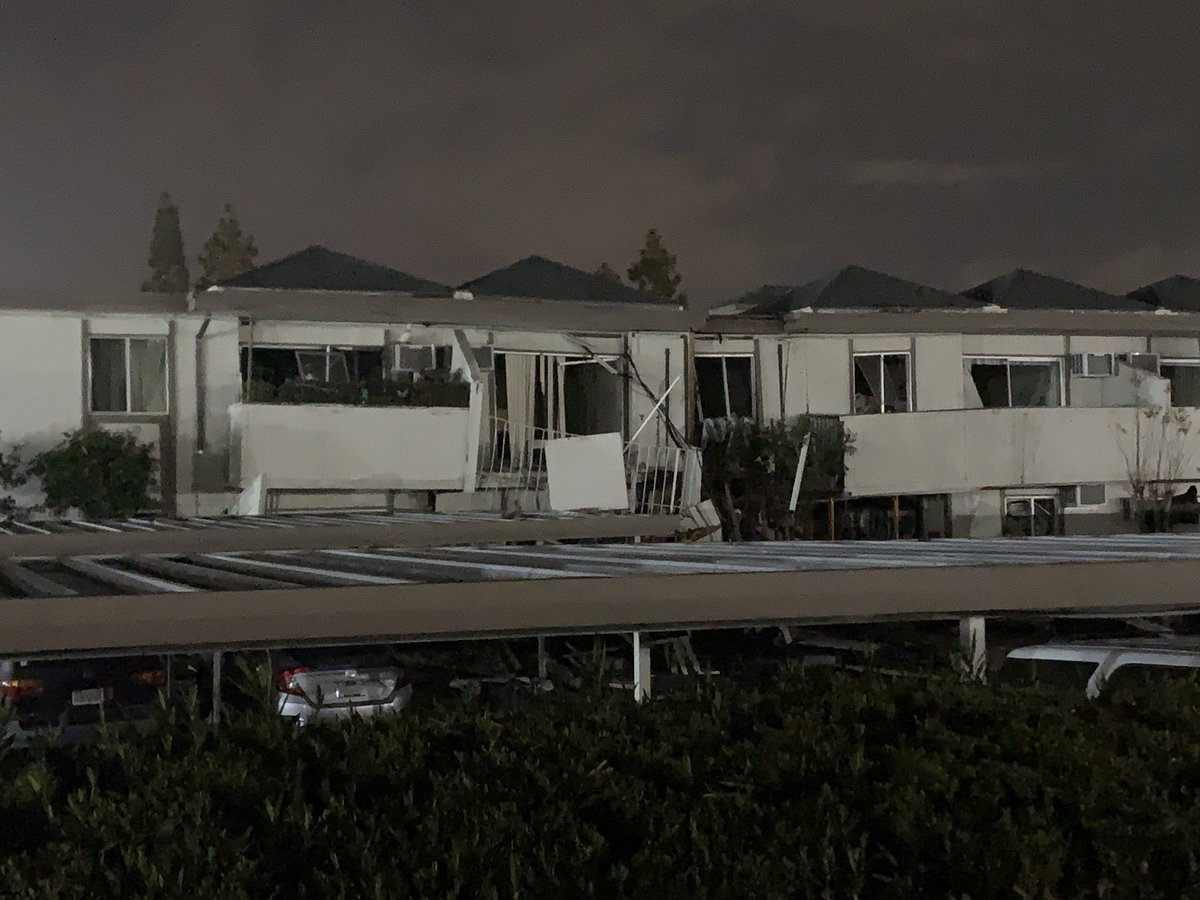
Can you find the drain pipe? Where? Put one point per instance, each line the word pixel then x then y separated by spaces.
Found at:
pixel 201 394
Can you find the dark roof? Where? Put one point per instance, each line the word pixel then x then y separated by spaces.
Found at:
pixel 544 279
pixel 1179 292
pixel 850 288
pixel 321 269
pixel 1022 289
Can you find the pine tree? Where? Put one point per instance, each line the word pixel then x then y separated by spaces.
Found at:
pixel 654 271
pixel 227 252
pixel 169 271
pixel 604 270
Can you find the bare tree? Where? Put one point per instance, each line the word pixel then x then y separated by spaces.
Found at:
pixel 1156 454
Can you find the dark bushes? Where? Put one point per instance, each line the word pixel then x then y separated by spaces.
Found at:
pixel 826 785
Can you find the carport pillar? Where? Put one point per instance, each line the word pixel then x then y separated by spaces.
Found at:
pixel 541 657
pixel 215 717
pixel 972 637
pixel 641 668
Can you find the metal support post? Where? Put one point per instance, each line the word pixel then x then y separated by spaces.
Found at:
pixel 541 657
pixel 973 638
pixel 641 668
pixel 216 688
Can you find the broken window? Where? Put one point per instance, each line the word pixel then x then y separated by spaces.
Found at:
pixel 1031 517
pixel 881 383
pixel 724 387
pixel 1018 383
pixel 1184 376
pixel 128 375
pixel 275 366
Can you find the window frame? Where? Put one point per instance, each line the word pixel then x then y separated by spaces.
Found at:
pixel 754 404
pixel 882 355
pixel 127 358
pixel 1177 362
pixel 1008 362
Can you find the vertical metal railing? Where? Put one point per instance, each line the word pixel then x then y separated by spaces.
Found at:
pixel 662 479
pixel 659 479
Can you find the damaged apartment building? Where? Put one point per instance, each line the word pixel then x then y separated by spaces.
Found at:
pixel 1025 406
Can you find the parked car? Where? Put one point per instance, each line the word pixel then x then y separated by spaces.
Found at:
pixel 75 695
pixel 317 685
pixel 1095 665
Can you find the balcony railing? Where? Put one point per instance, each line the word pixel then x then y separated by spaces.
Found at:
pixel 659 479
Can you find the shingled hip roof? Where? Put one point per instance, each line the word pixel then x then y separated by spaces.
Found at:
pixel 318 268
pixel 536 277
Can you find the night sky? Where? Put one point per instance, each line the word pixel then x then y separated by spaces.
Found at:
pixel 770 142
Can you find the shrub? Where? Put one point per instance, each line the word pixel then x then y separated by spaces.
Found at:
pixel 820 785
pixel 749 469
pixel 103 474
pixel 432 389
pixel 11 476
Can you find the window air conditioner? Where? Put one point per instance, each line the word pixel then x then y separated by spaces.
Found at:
pixel 412 358
pixel 1092 365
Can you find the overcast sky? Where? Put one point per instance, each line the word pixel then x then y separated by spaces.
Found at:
pixel 769 142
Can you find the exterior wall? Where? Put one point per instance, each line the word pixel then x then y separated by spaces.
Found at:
pixel 966 450
pixel 208 472
pixel 346 447
pixel 938 371
pixel 41 368
pixel 659 359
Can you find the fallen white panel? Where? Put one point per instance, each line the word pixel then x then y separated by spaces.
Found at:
pixel 587 472
pixel 252 501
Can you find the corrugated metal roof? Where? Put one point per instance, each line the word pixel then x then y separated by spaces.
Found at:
pixel 339 565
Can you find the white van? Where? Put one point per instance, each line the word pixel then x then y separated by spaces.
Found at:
pixel 1093 664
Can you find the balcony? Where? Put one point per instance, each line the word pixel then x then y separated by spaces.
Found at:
pixel 963 450
pixel 336 447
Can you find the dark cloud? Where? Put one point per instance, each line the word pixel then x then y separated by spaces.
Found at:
pixel 768 141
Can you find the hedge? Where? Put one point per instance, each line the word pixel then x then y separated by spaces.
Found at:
pixel 818 785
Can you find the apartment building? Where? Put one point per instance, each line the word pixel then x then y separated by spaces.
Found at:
pixel 1022 406
pixel 329 380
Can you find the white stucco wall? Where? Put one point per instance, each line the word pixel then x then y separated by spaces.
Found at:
pixel 349 447
pixel 649 353
pixel 948 452
pixel 41 370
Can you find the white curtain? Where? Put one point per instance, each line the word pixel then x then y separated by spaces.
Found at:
pixel 147 375
pixel 518 382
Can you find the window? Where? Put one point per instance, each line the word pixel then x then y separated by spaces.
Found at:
pixel 128 375
pixel 1184 375
pixel 725 387
pixel 1147 362
pixel 1000 383
pixel 1075 495
pixel 1031 516
pixel 881 383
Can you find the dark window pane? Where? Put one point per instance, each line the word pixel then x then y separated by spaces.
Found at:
pixel 895 383
pixel 991 381
pixel 867 384
pixel 1185 383
pixel 1034 384
pixel 740 370
pixel 1092 494
pixel 1099 364
pixel 710 387
pixel 108 375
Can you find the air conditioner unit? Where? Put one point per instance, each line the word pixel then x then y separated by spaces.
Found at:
pixel 1146 362
pixel 1092 365
pixel 412 358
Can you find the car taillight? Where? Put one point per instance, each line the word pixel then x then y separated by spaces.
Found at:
pixel 151 677
pixel 285 681
pixel 21 688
